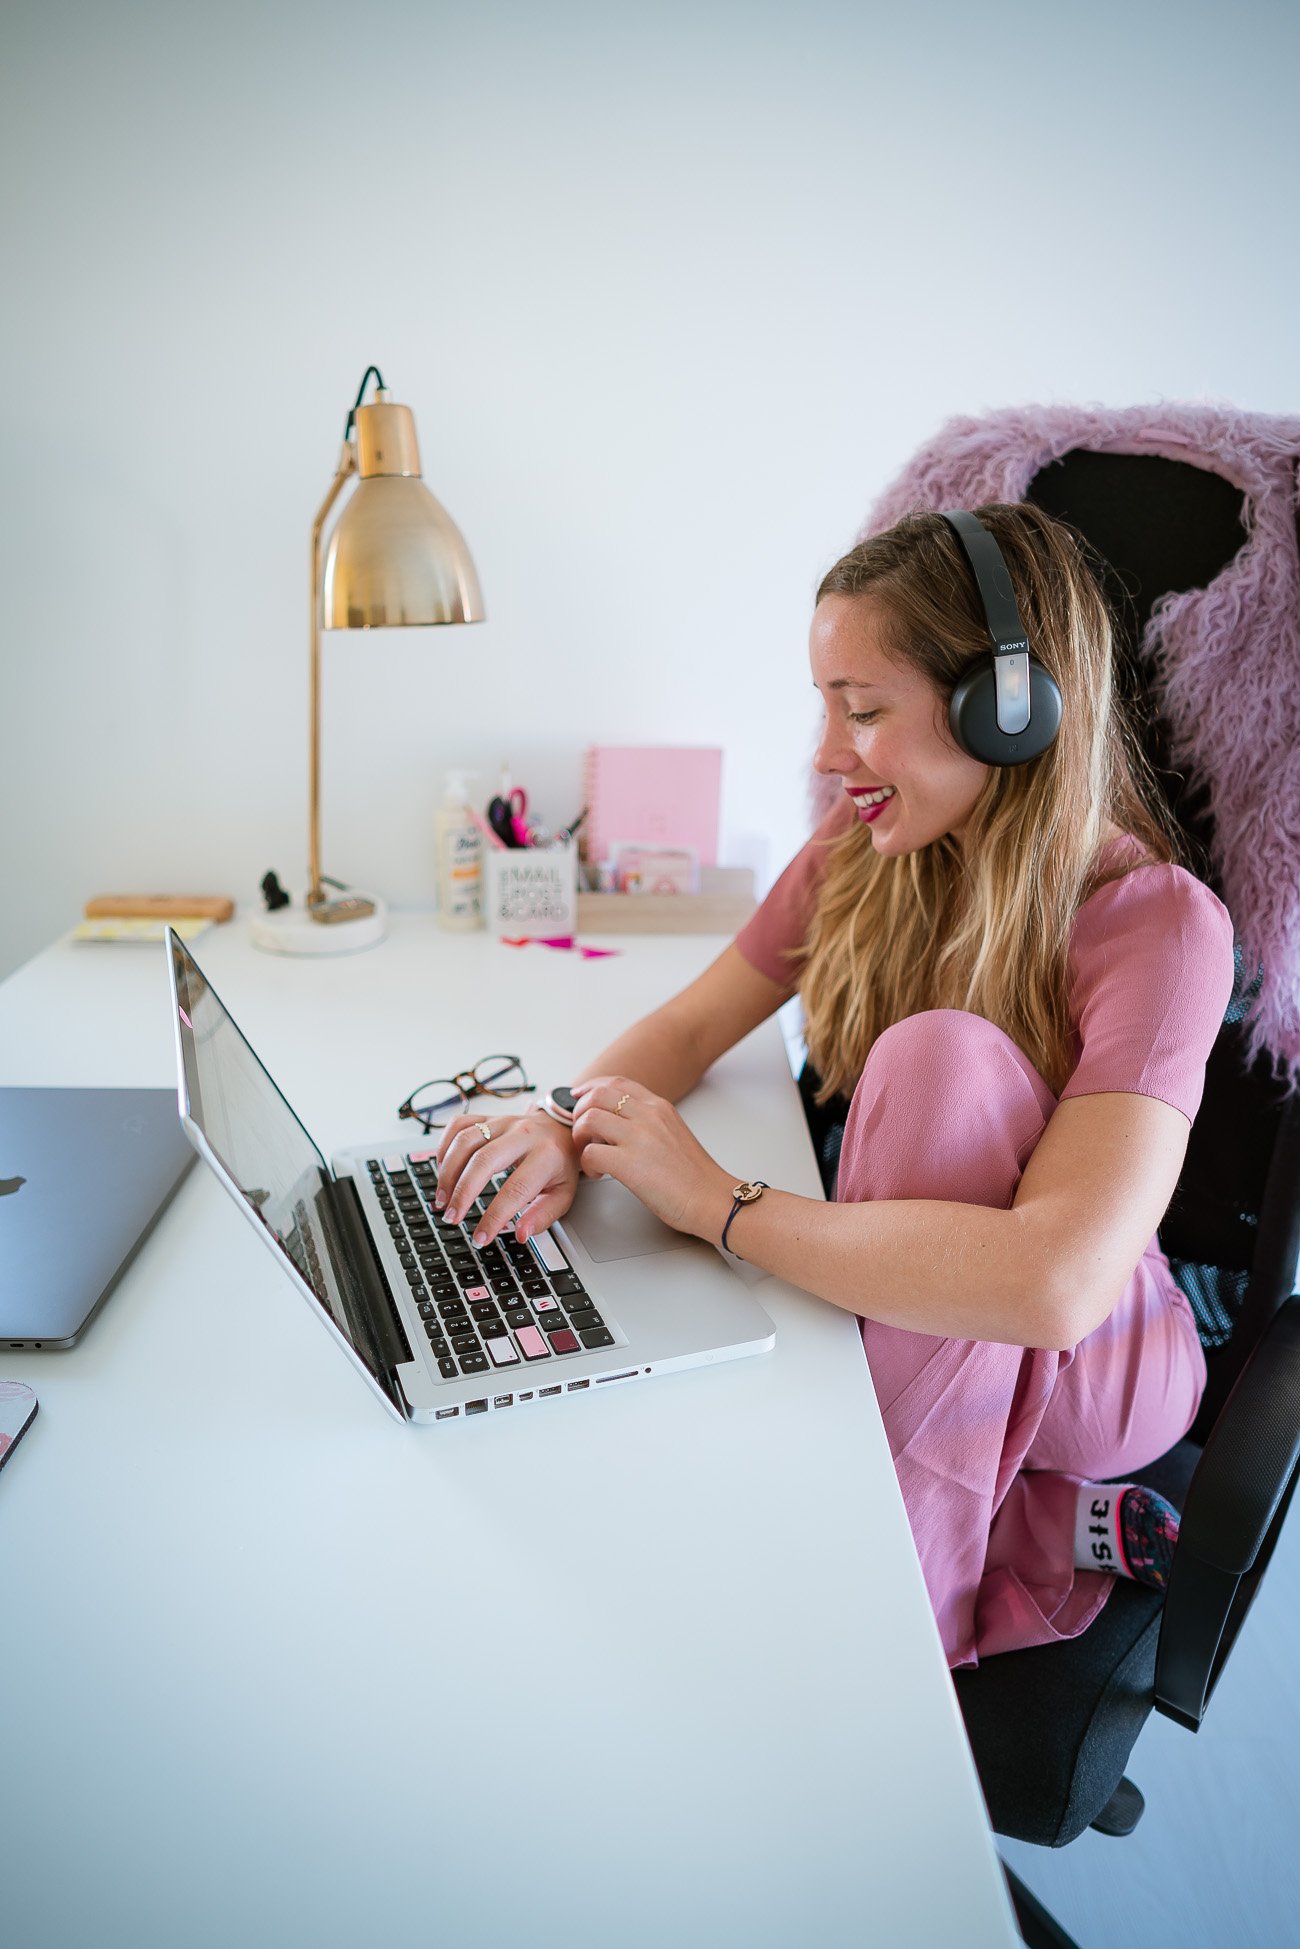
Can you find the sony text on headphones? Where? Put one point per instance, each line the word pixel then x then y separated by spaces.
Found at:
pixel 1006 708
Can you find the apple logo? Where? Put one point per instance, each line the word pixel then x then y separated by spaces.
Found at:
pixel 8 1185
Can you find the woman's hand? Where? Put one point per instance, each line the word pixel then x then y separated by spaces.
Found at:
pixel 539 1154
pixel 647 1147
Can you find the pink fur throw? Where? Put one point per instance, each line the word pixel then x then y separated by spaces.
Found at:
pixel 1224 660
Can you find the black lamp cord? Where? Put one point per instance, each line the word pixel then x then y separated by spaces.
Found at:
pixel 361 390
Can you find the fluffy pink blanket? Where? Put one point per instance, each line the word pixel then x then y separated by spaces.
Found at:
pixel 1224 660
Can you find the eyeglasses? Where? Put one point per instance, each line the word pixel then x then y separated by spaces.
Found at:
pixel 491 1076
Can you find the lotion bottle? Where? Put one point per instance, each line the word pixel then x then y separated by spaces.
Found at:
pixel 459 847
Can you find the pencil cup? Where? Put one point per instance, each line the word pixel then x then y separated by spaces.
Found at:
pixel 530 890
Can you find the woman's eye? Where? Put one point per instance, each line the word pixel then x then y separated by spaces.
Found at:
pixel 861 717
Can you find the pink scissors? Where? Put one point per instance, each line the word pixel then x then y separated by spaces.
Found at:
pixel 517 804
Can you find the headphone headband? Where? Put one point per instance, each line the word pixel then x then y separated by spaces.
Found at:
pixel 996 592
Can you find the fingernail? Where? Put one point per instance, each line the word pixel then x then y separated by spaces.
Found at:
pixel 440 1200
pixel 480 1238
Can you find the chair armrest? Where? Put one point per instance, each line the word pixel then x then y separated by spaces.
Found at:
pixel 1235 1506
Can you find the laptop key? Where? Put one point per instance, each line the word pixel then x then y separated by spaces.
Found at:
pixel 492 1329
pixel 414 1278
pixel 503 1352
pixel 567 1282
pixel 532 1344
pixel 519 1316
pixel 582 1317
pixel 465 1343
pixel 564 1342
pixel 473 1363
pixel 502 1284
pixel 484 1309
pixel 596 1336
pixel 448 1368
pixel 534 1288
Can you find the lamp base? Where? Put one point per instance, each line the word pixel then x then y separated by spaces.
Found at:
pixel 291 930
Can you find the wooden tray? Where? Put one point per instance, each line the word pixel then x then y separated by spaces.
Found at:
pixel 723 904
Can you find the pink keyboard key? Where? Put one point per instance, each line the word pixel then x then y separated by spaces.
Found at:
pixel 533 1344
pixel 562 1342
pixel 477 1292
pixel 503 1354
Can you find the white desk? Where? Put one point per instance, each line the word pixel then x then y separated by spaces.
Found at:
pixel 650 1668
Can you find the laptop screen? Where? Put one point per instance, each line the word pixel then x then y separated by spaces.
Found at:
pixel 264 1150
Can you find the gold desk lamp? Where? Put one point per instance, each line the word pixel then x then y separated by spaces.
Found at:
pixel 395 556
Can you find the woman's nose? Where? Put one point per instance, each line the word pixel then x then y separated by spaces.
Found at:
pixel 832 756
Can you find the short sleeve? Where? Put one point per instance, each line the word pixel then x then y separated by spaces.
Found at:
pixel 780 924
pixel 1151 976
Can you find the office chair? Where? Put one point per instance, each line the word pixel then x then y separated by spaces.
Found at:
pixel 1051 1728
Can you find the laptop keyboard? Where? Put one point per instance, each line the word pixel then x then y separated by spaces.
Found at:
pixel 485 1308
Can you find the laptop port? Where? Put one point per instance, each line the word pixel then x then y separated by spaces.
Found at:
pixel 445 1414
pixel 574 1386
pixel 545 1393
pixel 528 1396
pixel 630 1375
pixel 503 1400
pixel 476 1407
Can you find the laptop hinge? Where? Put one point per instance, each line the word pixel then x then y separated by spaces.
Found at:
pixel 373 1314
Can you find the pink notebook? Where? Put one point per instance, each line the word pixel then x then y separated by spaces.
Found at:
pixel 660 795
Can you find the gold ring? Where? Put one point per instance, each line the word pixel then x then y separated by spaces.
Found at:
pixel 486 1128
pixel 621 1101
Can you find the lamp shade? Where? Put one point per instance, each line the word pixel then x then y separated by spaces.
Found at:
pixel 395 556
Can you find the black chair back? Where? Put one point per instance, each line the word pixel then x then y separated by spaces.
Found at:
pixel 1161 526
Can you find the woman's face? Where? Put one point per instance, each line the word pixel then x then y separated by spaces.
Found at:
pixel 886 725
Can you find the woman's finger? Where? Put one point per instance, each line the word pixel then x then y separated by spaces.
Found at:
pixel 481 1165
pixel 600 1161
pixel 469 1164
pixel 597 1122
pixel 515 1196
pixel 456 1128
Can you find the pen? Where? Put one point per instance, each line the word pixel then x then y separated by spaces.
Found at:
pixel 566 832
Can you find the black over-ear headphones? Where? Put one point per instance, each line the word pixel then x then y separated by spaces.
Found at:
pixel 1006 708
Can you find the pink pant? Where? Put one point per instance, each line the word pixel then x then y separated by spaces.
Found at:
pixel 990 1441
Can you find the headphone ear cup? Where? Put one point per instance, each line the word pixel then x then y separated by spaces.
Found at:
pixel 973 717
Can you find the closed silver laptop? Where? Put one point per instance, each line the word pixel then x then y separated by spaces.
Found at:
pixel 439 1329
pixel 85 1174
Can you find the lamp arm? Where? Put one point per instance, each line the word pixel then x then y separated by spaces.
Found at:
pixel 346 467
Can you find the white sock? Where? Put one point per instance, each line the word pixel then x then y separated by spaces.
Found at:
pixel 1098 1543
pixel 1126 1529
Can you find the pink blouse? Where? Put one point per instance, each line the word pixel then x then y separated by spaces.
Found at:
pixel 1151 969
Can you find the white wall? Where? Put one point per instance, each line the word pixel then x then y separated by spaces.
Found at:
pixel 673 291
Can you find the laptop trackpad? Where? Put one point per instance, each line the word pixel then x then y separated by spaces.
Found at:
pixel 611 1223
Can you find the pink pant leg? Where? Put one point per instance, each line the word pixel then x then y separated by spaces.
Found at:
pixel 949 1108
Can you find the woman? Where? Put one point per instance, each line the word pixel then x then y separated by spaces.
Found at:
pixel 1018 984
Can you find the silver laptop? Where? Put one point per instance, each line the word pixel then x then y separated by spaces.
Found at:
pixel 85 1174
pixel 438 1328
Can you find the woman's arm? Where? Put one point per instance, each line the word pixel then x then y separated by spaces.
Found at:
pixel 961 1272
pixel 670 1049
pixel 667 1051
pixel 1045 1273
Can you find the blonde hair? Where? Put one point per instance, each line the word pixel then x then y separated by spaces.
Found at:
pixel 984 928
